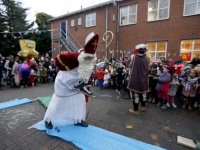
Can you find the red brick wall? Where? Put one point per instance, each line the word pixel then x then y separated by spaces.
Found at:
pixel 173 29
pixel 82 31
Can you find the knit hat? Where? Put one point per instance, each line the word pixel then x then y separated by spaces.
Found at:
pixel 186 68
pixel 168 67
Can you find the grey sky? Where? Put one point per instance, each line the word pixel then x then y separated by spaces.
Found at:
pixel 56 7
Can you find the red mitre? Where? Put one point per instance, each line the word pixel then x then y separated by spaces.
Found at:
pixel 91 46
pixel 66 62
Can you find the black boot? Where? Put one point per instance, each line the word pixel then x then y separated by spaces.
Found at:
pixel 48 125
pixel 83 124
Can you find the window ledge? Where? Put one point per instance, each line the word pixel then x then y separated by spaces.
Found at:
pixel 158 20
pixel 90 26
pixel 190 15
pixel 128 24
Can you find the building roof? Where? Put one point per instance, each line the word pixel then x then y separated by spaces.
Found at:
pixel 82 10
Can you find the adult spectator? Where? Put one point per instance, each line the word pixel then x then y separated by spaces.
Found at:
pixel 11 67
pixel 47 57
pixel 111 60
pixel 47 64
pixel 18 60
pixel 195 61
pixel 179 61
pixel 1 69
pixel 120 77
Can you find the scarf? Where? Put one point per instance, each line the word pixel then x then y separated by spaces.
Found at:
pixel 191 81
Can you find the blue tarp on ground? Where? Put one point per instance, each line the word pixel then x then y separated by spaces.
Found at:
pixel 15 102
pixel 92 137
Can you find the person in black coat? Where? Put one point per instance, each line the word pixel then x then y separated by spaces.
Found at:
pixel 120 76
pixel 47 64
pixel 1 69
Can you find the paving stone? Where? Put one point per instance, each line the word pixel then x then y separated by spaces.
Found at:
pixel 109 113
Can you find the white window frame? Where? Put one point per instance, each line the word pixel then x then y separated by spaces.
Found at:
pixel 128 15
pixel 197 2
pixel 158 51
pixel 158 11
pixel 90 20
pixel 113 17
pixel 79 19
pixel 72 25
pixel 192 51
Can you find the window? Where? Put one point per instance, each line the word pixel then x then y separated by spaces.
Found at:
pixel 191 7
pixel 79 21
pixel 64 52
pixel 128 15
pixel 190 49
pixel 114 17
pixel 91 20
pixel 72 22
pixel 158 9
pixel 156 50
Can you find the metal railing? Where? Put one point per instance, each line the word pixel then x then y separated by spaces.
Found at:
pixel 70 43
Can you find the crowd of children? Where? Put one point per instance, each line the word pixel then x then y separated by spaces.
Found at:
pixel 168 81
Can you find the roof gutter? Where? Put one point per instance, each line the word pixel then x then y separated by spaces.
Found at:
pixel 82 10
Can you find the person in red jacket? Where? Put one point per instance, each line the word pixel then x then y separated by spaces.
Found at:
pixel 100 76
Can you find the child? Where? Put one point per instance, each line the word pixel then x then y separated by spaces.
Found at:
pixel 189 88
pixel 163 86
pixel 51 74
pixel 173 88
pixel 112 79
pixel 181 76
pixel 32 76
pixel 44 74
pixel 100 75
pixel 152 83
pixel 106 80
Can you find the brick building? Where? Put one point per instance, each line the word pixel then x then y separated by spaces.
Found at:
pixel 170 28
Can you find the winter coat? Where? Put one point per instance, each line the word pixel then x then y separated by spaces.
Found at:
pixel 163 82
pixel 46 65
pixel 101 75
pixel 44 73
pixel 1 68
pixel 120 71
pixel 14 68
pixel 191 92
pixel 173 86
pixel 152 82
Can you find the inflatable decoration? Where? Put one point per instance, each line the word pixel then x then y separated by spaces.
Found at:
pixel 27 49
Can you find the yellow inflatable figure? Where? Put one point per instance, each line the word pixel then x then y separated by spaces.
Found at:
pixel 27 48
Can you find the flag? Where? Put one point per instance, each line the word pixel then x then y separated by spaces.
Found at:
pixel 26 33
pixel 20 33
pixel 44 31
pixel 32 32
pixel 39 32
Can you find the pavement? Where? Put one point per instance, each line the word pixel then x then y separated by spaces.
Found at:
pixel 109 111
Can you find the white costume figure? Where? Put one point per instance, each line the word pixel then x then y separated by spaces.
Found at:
pixel 68 105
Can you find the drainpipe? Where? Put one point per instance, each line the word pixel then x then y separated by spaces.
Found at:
pixel 106 30
pixel 59 46
pixel 52 39
pixel 117 49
